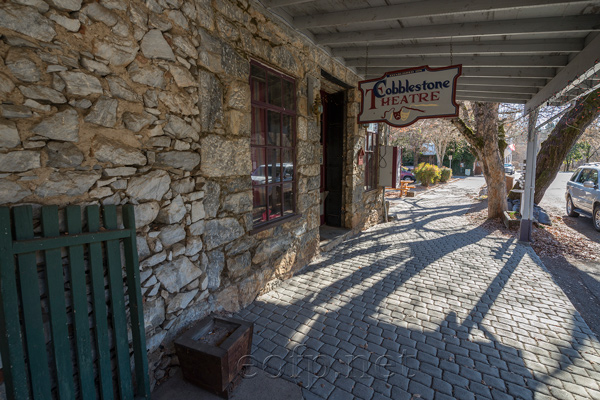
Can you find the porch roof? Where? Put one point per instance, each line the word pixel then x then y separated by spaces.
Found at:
pixel 512 51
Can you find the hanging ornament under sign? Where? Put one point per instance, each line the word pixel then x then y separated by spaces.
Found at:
pixel 400 98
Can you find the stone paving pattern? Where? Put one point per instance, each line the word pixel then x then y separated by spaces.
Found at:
pixel 428 306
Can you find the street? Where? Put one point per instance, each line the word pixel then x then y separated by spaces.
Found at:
pixel 555 203
pixel 554 198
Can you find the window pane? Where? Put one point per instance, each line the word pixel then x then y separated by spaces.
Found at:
pixel 287 159
pixel 288 199
pixel 288 94
pixel 274 90
pixel 259 212
pixel 287 140
pixel 273 128
pixel 258 83
pixel 274 202
pixel 274 165
pixel 258 126
pixel 258 167
pixel 272 145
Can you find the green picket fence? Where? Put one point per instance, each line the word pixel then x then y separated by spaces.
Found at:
pixel 77 362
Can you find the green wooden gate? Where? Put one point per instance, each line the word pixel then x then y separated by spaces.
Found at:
pixel 76 361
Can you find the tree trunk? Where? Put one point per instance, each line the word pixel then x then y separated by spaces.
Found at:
pixel 563 137
pixel 485 140
pixel 439 153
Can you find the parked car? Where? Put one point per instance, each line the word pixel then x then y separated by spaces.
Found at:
pixel 406 175
pixel 258 175
pixel 583 195
pixel 509 169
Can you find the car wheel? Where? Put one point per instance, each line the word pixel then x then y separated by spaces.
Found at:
pixel 407 178
pixel 597 218
pixel 570 208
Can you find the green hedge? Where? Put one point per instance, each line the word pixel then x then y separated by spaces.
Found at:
pixel 427 174
pixel 445 174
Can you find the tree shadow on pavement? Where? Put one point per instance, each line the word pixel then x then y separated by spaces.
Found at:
pixel 407 310
pixel 581 287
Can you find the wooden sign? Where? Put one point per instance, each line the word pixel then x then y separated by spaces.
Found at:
pixel 400 98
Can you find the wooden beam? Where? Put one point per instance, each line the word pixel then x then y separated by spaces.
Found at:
pixel 490 99
pixel 582 23
pixel 501 81
pixel 544 73
pixel 497 89
pixel 516 96
pixel 580 64
pixel 402 11
pixel 539 46
pixel 284 3
pixel 466 61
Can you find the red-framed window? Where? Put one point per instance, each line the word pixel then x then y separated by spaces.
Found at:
pixel 273 144
pixel 370 160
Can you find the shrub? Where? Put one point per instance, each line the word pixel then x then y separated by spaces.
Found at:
pixel 427 174
pixel 445 174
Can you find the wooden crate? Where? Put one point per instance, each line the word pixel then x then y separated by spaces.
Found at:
pixel 215 363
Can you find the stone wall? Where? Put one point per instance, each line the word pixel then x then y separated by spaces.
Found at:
pixel 361 209
pixel 120 101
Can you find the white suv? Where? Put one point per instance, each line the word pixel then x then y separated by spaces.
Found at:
pixel 583 195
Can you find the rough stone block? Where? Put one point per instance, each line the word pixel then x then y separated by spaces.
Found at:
pixel 222 157
pixel 221 231
pixel 177 274
pixel 63 126
pixel 171 234
pixel 186 160
pixel 9 135
pixel 12 192
pixel 151 186
pixel 154 313
pixel 114 152
pixel 239 266
pixel 154 45
pixel 70 183
pixel 214 267
pixel 81 84
pixel 172 213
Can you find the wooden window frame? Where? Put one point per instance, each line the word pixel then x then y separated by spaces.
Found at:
pixel 264 107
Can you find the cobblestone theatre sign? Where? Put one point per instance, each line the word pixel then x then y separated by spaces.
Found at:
pixel 402 97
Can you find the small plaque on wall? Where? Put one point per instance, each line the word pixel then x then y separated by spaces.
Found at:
pixel 361 157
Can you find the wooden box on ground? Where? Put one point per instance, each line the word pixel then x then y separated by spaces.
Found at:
pixel 212 354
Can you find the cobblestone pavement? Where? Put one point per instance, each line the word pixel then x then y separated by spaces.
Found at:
pixel 428 307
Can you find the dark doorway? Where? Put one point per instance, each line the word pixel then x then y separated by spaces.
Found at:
pixel 332 139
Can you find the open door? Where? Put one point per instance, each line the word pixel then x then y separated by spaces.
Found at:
pixel 332 140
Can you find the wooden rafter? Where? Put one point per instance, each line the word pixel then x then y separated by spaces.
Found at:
pixel 478 29
pixel 430 8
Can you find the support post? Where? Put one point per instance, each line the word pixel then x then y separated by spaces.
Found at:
pixel 528 193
